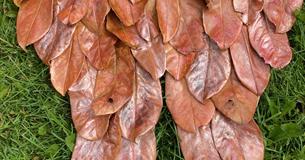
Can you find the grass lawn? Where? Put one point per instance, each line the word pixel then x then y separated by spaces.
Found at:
pixel 35 120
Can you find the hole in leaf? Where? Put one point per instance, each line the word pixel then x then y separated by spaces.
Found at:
pixel 110 100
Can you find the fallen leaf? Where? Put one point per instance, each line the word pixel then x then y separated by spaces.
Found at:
pixel 56 40
pixel 235 141
pixel 113 86
pixel 74 11
pixel 178 64
pixel 226 24
pixel 168 17
pixel 143 148
pixel 199 145
pixel 33 21
pixel 66 68
pixel 188 113
pixel 189 37
pixel 209 72
pixel 87 124
pixel 128 13
pixel 249 9
pixel 236 101
pixel 151 56
pixel 250 68
pixel 142 112
pixel 106 148
pixel 273 47
pixel 281 13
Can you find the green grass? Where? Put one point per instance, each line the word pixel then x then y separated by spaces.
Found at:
pixel 35 120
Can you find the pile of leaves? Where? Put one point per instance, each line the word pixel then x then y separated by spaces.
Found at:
pixel 109 55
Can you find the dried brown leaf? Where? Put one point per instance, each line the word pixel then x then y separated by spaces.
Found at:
pixel 189 37
pixel 250 68
pixel 168 18
pixel 221 22
pixel 199 145
pixel 128 13
pixel 188 113
pixel 209 72
pixel 273 47
pixel 144 148
pixel 57 40
pixel 87 124
pixel 142 112
pixel 249 9
pixel 178 64
pixel 151 56
pixel 234 141
pixel 113 86
pixel 33 21
pixel 73 12
pixel 281 13
pixel 106 148
pixel 235 101
pixel 66 68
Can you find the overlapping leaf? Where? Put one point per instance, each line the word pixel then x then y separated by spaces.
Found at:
pixel 33 21
pixel 249 9
pixel 66 68
pixel 96 16
pixel 188 113
pixel 178 64
pixel 142 112
pixel 234 141
pixel 199 145
pixel 106 148
pixel 73 12
pixel 250 68
pixel 128 13
pixel 88 125
pixel 281 13
pixel 168 17
pixel 99 49
pixel 273 47
pixel 113 87
pixel 189 37
pixel 57 40
pixel 236 101
pixel 209 72
pixel 221 22
pixel 144 148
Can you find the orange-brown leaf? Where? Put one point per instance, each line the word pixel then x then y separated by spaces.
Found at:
pixel 189 37
pixel 168 17
pixel 209 72
pixel 113 86
pixel 199 145
pixel 144 148
pixel 178 64
pixel 57 40
pixel 33 21
pixel 66 68
pixel 188 113
pixel 128 13
pixel 73 12
pixel 249 9
pixel 106 148
pixel 235 141
pixel 142 112
pixel 87 124
pixel 250 68
pixel 99 50
pixel 273 47
pixel 221 22
pixel 236 101
pixel 129 35
pixel 151 56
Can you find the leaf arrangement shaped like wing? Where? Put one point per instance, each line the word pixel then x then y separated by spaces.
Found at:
pixel 108 55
